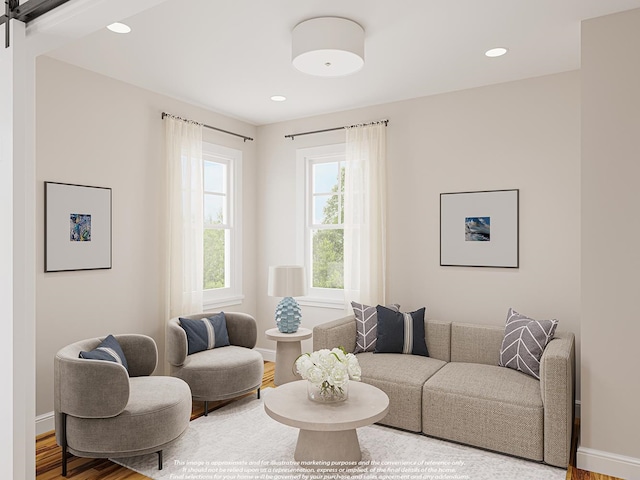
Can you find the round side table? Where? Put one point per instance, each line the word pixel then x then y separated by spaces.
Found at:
pixel 288 349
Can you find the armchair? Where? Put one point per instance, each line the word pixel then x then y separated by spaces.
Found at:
pixel 102 410
pixel 218 373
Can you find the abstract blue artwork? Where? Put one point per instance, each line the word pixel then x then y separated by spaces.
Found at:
pixel 80 227
pixel 477 229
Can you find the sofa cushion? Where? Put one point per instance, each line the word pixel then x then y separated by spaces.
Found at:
pixel 205 333
pixel 401 332
pixel 486 406
pixel 367 325
pixel 221 373
pixel 401 377
pixel 524 342
pixel 109 350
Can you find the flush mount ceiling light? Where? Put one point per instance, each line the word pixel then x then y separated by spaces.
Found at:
pixel 278 98
pixel 328 47
pixel 119 27
pixel 496 52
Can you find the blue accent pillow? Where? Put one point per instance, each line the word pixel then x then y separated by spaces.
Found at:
pixel 400 332
pixel 109 349
pixel 205 333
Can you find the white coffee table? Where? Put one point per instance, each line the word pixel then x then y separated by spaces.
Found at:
pixel 327 430
pixel 288 349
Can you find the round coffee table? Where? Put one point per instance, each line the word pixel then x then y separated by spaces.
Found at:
pixel 327 430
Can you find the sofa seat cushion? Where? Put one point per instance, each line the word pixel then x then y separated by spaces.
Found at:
pixel 158 412
pixel 486 406
pixel 221 373
pixel 401 377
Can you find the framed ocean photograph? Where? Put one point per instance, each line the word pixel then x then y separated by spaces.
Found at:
pixel 77 226
pixel 480 229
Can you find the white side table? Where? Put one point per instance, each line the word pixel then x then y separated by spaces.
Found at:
pixel 288 349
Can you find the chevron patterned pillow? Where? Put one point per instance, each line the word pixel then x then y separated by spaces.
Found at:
pixel 367 326
pixel 524 342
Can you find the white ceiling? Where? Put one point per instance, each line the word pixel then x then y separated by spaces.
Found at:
pixel 231 56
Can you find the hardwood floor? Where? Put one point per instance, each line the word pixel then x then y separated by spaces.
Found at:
pixel 49 466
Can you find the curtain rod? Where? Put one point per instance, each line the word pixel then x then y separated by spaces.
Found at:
pixel 292 136
pixel 243 137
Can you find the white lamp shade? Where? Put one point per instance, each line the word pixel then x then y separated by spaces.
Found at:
pixel 328 47
pixel 287 281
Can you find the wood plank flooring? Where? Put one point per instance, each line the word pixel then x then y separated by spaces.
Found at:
pixel 49 465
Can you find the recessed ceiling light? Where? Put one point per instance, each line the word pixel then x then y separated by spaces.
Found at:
pixel 496 52
pixel 119 27
pixel 278 98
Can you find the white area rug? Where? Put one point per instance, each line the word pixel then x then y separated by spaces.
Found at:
pixel 241 442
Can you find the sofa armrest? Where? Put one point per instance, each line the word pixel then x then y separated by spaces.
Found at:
pixel 557 377
pixel 176 347
pixel 89 388
pixel 242 328
pixel 141 353
pixel 338 333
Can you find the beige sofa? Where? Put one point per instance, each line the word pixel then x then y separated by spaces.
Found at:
pixel 459 392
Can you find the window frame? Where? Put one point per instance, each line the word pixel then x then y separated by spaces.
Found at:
pixel 232 293
pixel 305 159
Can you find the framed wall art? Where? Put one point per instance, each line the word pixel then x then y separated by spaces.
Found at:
pixel 77 226
pixel 479 229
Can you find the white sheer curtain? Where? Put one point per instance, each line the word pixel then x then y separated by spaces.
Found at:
pixel 183 150
pixel 365 198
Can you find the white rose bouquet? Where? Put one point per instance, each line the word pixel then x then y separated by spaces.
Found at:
pixel 329 370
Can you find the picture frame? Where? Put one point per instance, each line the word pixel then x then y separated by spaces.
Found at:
pixel 77 226
pixel 480 229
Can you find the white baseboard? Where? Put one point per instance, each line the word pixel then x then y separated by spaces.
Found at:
pixel 45 423
pixel 608 463
pixel 267 355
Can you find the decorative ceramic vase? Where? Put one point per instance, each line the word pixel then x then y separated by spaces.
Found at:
pixel 288 315
pixel 327 393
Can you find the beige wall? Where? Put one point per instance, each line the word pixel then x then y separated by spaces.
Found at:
pixel 610 425
pixel 523 135
pixel 92 130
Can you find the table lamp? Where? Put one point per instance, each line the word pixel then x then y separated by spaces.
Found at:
pixel 287 281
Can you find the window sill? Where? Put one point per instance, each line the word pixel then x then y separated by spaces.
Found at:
pixel 321 302
pixel 209 305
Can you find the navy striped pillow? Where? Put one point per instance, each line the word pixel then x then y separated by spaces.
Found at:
pixel 109 350
pixel 205 333
pixel 400 332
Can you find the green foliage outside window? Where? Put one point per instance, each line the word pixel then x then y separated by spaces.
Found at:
pixel 214 250
pixel 328 245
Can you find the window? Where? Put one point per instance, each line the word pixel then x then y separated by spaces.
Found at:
pixel 222 243
pixel 321 172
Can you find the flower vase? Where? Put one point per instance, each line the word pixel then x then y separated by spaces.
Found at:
pixel 327 393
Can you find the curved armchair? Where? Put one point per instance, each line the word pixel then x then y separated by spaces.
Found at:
pixel 219 373
pixel 104 411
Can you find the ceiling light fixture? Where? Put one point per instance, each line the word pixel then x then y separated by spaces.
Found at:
pixel 119 27
pixel 278 98
pixel 496 52
pixel 328 47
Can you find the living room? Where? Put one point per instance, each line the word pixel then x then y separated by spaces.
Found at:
pixel 565 140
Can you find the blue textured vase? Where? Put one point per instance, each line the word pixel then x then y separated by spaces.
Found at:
pixel 288 315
